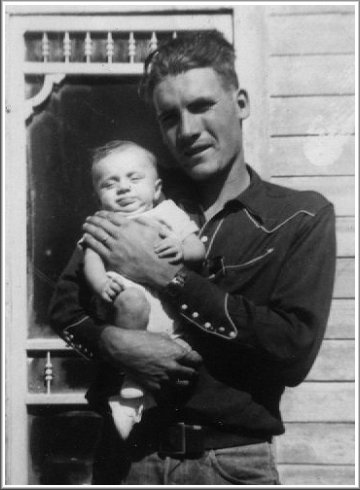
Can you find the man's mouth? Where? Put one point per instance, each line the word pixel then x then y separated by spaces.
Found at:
pixel 195 151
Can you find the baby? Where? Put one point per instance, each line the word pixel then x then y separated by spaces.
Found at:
pixel 126 181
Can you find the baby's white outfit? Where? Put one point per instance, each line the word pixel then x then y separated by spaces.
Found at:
pixel 127 407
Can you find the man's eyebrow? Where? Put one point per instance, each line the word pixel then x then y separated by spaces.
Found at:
pixel 166 112
pixel 202 98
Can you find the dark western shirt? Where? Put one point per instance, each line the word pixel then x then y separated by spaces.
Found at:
pixel 256 313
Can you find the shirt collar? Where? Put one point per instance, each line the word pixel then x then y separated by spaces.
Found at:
pixel 253 197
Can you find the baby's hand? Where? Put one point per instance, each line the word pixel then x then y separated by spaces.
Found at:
pixel 170 247
pixel 111 287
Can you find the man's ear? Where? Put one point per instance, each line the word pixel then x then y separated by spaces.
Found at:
pixel 158 189
pixel 243 104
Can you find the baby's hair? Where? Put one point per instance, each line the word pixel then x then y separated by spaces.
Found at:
pixel 115 146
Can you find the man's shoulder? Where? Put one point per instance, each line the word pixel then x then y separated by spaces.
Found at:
pixel 293 200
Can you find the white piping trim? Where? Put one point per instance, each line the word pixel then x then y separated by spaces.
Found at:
pixel 258 225
pixel 252 261
pixel 213 332
pixel 77 323
pixel 228 314
pixel 76 349
pixel 213 237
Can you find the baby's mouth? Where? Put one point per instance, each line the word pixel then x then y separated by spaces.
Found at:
pixel 125 201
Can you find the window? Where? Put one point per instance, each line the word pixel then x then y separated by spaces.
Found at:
pixel 71 84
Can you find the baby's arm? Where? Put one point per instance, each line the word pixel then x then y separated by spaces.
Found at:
pixel 105 284
pixel 193 249
pixel 190 250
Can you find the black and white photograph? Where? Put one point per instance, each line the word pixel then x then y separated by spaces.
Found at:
pixel 180 187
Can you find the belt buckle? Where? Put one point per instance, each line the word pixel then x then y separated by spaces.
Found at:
pixel 176 444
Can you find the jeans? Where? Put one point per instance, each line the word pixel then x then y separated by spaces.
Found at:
pixel 242 465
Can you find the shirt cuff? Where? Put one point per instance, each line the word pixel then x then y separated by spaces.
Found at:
pixel 203 304
pixel 84 337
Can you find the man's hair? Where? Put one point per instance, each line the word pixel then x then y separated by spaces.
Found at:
pixel 114 146
pixel 202 49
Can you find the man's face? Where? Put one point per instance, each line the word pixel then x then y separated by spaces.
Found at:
pixel 200 121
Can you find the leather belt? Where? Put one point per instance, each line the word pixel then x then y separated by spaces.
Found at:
pixel 184 440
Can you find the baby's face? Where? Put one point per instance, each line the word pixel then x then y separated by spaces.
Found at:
pixel 126 181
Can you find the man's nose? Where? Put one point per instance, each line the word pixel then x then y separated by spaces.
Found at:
pixel 188 127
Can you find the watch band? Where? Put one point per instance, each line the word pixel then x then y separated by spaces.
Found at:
pixel 175 287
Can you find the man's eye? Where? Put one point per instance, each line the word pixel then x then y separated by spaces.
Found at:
pixel 167 120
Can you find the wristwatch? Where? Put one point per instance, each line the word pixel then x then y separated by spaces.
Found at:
pixel 175 287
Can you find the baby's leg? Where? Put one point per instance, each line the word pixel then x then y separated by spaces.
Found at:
pixel 131 309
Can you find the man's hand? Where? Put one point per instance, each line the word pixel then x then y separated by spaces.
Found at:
pixel 127 246
pixel 152 359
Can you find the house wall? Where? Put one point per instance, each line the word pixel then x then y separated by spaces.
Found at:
pixel 309 57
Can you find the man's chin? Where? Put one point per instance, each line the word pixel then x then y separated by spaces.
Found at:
pixel 201 171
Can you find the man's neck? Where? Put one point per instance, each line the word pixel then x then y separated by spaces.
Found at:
pixel 215 193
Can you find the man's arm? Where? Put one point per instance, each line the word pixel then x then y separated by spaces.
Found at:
pixel 150 357
pixel 288 331
pixel 70 312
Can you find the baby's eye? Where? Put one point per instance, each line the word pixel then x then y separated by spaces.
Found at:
pixel 135 177
pixel 107 185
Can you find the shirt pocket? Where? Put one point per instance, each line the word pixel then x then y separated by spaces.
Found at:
pixel 231 277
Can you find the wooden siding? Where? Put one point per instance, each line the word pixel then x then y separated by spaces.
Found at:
pixel 311 145
pixel 315 155
pixel 341 323
pixel 314 447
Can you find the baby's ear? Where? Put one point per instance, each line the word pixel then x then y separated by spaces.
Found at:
pixel 158 191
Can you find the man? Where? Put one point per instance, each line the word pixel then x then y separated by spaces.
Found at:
pixel 256 313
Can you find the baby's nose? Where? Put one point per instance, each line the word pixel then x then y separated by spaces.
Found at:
pixel 123 186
